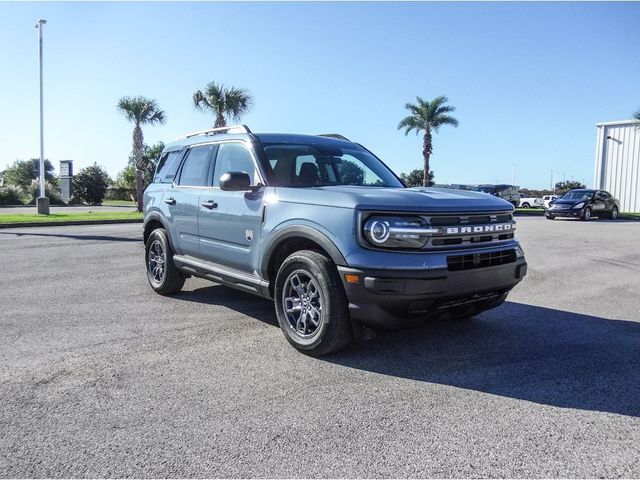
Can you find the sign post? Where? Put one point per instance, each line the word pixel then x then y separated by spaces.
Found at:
pixel 66 180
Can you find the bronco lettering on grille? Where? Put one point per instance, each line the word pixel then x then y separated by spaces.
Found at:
pixel 503 227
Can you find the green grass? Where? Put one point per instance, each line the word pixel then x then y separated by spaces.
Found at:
pixel 630 215
pixel 118 203
pixel 67 217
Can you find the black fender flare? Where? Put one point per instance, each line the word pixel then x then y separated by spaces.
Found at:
pixel 156 216
pixel 300 231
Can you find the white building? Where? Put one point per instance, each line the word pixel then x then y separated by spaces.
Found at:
pixel 618 162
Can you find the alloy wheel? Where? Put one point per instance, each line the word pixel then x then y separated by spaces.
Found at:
pixel 302 303
pixel 156 262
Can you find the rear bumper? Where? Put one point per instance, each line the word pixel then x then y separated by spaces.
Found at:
pixel 393 298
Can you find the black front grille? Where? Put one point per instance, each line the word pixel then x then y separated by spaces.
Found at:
pixel 480 260
pixel 468 219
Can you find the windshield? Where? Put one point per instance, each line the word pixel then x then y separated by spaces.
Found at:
pixel 317 166
pixel 485 189
pixel 577 195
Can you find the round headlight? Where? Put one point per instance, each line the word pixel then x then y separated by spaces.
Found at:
pixel 379 231
pixel 397 231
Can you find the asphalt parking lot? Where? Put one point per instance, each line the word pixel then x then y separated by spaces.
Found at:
pixel 99 376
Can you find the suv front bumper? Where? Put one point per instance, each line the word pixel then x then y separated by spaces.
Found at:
pixel 392 298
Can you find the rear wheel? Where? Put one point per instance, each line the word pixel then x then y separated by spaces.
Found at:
pixel 162 274
pixel 525 205
pixel 614 213
pixel 311 304
pixel 586 215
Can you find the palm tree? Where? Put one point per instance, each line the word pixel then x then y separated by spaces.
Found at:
pixel 427 117
pixel 141 111
pixel 636 117
pixel 223 102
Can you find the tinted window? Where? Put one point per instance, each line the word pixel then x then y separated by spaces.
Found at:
pixel 317 165
pixel 167 167
pixel 196 167
pixel 233 157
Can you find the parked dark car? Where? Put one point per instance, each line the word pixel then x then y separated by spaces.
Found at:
pixel 510 193
pixel 584 204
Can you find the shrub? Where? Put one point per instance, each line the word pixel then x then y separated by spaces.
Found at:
pixel 11 195
pixel 50 191
pixel 120 193
pixel 90 185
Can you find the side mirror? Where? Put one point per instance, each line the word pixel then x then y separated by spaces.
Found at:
pixel 235 182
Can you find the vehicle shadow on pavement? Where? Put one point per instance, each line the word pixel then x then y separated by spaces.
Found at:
pixel 256 307
pixel 547 356
pixel 538 354
pixel 106 238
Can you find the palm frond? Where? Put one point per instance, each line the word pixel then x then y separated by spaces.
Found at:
pixel 223 101
pixel 199 100
pixel 141 110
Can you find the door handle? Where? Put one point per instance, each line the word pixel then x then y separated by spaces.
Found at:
pixel 170 201
pixel 209 204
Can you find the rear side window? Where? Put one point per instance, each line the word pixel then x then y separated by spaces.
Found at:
pixel 167 167
pixel 197 167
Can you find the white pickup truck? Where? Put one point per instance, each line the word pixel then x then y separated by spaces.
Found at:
pixel 530 202
pixel 547 199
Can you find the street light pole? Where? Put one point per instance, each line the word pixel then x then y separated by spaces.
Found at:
pixel 42 201
pixel 513 174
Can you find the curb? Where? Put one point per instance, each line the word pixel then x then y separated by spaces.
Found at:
pixel 529 214
pixel 74 222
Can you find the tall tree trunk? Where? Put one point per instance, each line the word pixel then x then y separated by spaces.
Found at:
pixel 426 154
pixel 137 158
pixel 220 121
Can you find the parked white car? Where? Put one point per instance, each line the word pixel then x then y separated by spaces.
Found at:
pixel 549 198
pixel 530 202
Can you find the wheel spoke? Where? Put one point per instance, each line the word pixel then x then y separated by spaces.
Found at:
pixel 314 315
pixel 301 325
pixel 292 304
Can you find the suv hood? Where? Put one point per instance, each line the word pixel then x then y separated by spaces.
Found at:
pixel 418 199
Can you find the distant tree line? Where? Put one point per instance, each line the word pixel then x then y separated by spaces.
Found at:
pixel 21 184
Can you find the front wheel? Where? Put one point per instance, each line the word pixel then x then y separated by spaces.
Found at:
pixel 586 215
pixel 525 205
pixel 614 213
pixel 550 217
pixel 162 274
pixel 311 304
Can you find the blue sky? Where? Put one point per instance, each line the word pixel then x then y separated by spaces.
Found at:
pixel 529 80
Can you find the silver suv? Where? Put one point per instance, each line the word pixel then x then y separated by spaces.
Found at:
pixel 324 228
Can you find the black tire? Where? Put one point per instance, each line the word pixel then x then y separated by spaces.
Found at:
pixel 525 205
pixel 614 213
pixel 550 217
pixel 586 214
pixel 308 284
pixel 162 274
